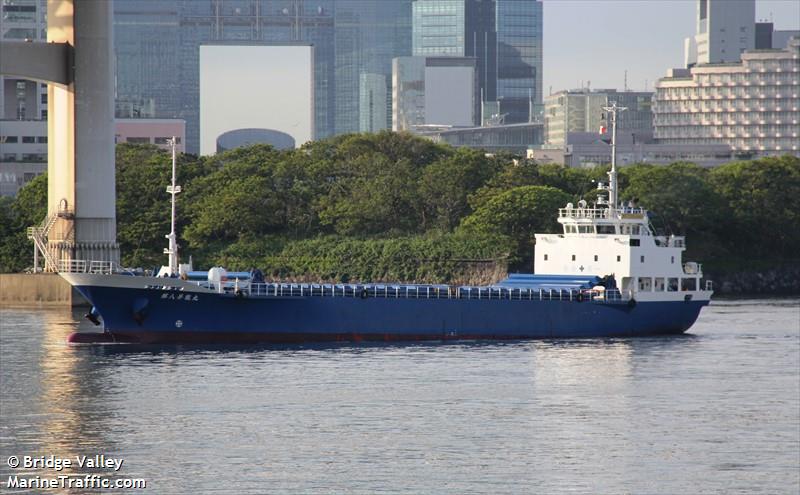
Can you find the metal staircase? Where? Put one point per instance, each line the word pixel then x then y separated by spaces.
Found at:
pixel 41 240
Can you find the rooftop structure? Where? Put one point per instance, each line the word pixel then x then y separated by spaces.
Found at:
pixel 724 30
pixel 514 138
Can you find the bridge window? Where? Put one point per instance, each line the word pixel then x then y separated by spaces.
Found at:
pixel 606 229
pixel 28 139
pixel 586 229
pixel 569 229
pixel 645 284
pixel 8 139
pixel 659 285
pixel 688 284
pixel 138 140
pixel 672 284
pixel 634 242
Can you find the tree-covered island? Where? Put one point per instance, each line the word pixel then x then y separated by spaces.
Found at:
pixel 391 206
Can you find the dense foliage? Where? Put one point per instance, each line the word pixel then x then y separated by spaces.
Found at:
pixel 391 206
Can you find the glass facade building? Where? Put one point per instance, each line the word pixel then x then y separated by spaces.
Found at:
pixel 504 36
pixel 519 59
pixel 157 46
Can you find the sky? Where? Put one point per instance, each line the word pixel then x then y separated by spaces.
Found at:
pixel 597 40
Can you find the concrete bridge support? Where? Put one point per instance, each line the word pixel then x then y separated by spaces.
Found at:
pixel 79 70
pixel 80 168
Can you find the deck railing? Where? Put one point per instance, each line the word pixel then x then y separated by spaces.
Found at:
pixel 593 213
pixel 277 290
pixel 85 266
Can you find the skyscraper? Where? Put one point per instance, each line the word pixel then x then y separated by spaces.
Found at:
pixel 157 45
pixel 519 59
pixel 504 36
pixel 368 35
pixel 724 30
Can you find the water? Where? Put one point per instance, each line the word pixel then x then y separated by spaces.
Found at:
pixel 717 411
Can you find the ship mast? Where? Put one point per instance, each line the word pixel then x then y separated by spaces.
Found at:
pixel 612 175
pixel 173 189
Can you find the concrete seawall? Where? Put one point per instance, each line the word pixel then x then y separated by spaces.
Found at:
pixel 35 290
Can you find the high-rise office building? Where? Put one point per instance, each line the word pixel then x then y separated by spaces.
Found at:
pixel 724 29
pixel 157 47
pixel 519 59
pixel 368 35
pixel 505 38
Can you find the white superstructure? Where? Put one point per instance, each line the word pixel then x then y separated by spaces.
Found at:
pixel 619 241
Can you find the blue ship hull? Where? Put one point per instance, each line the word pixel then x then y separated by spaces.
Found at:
pixel 150 315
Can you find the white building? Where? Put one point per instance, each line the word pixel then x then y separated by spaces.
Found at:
pixel 753 105
pixel 724 30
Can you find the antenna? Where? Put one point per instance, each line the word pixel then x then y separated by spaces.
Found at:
pixel 612 175
pixel 625 84
pixel 173 189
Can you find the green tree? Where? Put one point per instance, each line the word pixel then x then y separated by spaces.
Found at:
pixel 445 185
pixel 761 213
pixel 679 194
pixel 28 209
pixel 372 196
pixel 579 182
pixel 519 213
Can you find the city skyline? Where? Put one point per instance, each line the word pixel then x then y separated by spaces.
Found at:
pixel 571 61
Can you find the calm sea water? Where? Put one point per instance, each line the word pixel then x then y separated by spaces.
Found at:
pixel 715 411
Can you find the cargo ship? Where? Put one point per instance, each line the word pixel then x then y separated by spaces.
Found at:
pixel 606 273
